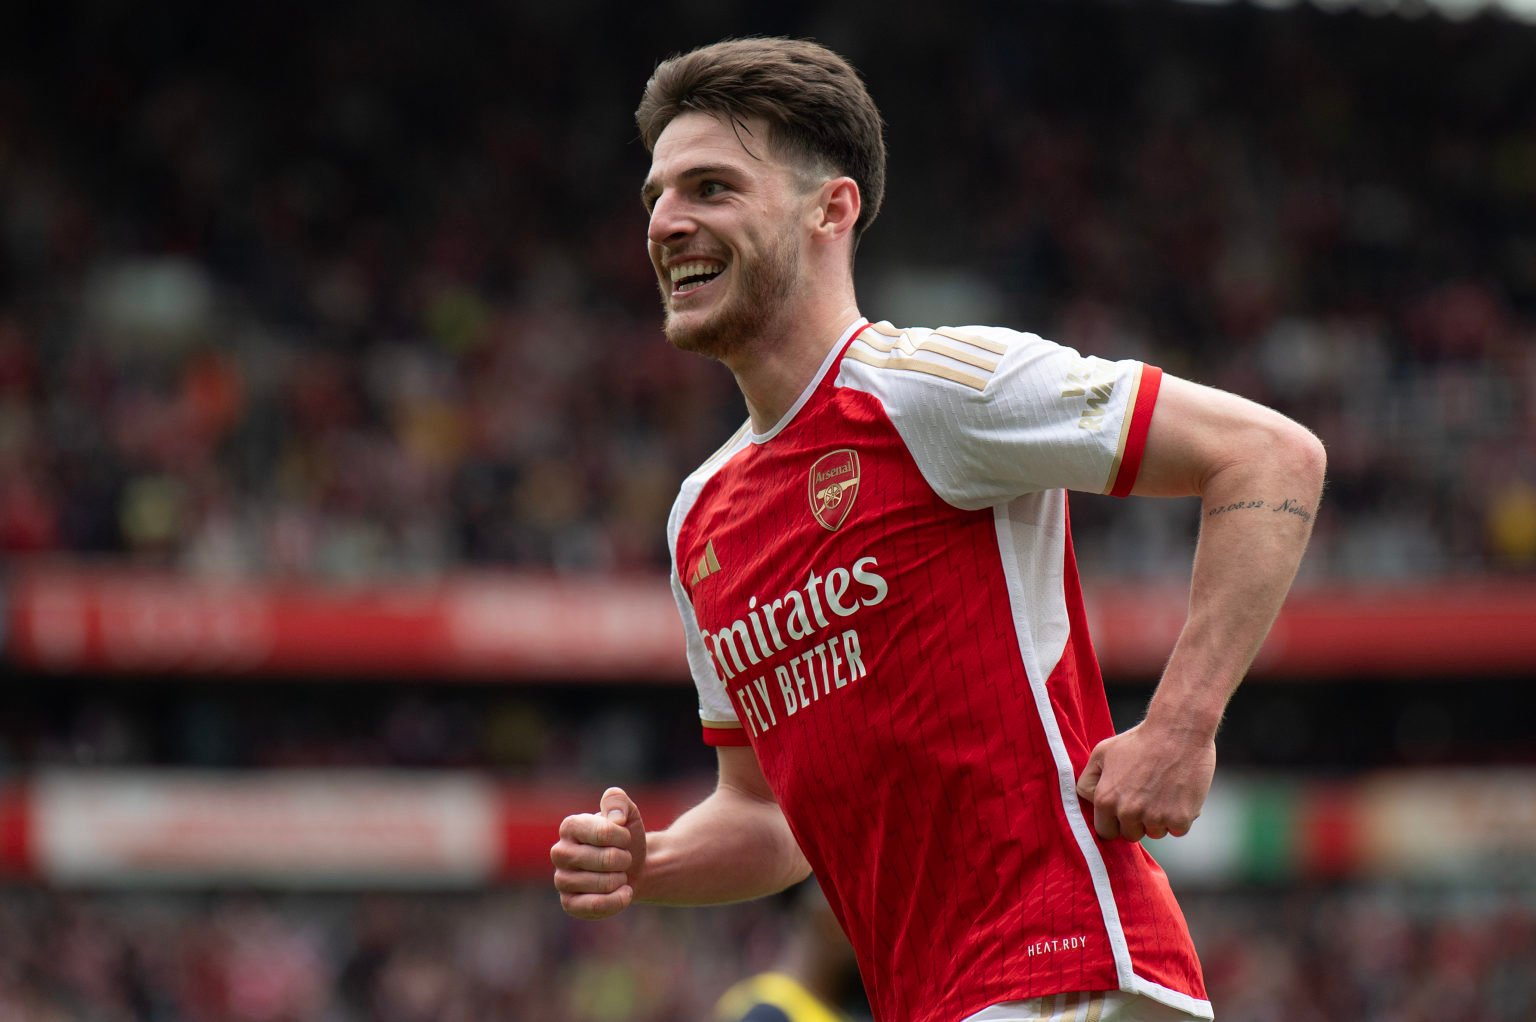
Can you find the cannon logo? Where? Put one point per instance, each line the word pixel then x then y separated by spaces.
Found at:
pixel 834 485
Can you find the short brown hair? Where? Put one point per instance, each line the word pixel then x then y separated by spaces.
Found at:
pixel 816 106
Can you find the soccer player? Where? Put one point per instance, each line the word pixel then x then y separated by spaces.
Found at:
pixel 882 610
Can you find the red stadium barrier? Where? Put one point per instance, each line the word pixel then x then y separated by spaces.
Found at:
pixel 492 628
pixel 515 628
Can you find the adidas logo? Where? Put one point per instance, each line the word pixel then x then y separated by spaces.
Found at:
pixel 708 565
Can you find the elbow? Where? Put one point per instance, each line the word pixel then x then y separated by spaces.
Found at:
pixel 1305 453
pixel 1272 450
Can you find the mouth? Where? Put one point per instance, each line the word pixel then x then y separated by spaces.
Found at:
pixel 689 277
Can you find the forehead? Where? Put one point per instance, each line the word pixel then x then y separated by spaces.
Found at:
pixel 695 139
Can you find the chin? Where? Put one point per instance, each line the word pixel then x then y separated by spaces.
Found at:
pixel 707 337
pixel 713 333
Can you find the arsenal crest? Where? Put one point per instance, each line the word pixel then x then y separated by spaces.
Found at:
pixel 834 484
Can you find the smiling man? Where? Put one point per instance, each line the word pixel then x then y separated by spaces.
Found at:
pixel 876 581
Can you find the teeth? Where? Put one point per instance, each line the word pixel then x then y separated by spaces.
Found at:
pixel 698 269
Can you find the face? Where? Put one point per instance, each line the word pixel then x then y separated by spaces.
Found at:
pixel 725 234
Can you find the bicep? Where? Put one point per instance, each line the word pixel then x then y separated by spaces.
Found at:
pixel 743 788
pixel 1197 431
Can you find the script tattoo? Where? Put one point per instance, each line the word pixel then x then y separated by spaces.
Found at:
pixel 1241 505
pixel 1287 506
pixel 1290 507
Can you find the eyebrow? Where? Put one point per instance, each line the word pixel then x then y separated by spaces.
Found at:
pixel 650 189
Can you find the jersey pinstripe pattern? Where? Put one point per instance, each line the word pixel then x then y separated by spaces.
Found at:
pixel 917 681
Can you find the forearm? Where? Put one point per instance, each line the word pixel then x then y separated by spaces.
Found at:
pixel 1256 518
pixel 733 846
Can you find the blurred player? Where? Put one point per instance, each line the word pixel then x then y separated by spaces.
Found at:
pixel 810 976
pixel 882 610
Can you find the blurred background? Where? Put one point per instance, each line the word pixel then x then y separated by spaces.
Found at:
pixel 337 436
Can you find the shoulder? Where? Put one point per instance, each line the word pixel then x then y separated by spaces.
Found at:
pixel 990 414
pixel 959 359
pixel 693 485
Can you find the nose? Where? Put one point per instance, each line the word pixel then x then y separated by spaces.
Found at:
pixel 670 222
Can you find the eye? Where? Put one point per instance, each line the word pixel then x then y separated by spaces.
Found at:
pixel 709 189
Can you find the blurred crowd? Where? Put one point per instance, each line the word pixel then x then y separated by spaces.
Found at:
pixel 1360 954
pixel 650 732
pixel 308 292
pixel 341 291
pixel 373 958
pixel 517 733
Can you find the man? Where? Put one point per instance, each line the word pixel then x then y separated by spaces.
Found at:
pixel 878 589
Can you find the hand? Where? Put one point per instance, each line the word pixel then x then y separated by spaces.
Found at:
pixel 599 857
pixel 1148 782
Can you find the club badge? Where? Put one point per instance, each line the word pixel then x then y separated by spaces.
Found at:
pixel 834 484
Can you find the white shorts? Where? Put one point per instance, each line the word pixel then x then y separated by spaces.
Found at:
pixel 1098 1006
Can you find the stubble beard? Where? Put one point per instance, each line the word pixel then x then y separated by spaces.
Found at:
pixel 762 291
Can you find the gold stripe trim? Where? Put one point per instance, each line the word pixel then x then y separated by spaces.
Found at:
pixel 1125 431
pixel 900 341
pixel 1095 1007
pixel 709 557
pixel 885 327
pixel 918 366
pixel 959 356
pixel 904 344
pixel 984 343
pixel 722 725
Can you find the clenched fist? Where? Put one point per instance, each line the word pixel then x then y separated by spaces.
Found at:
pixel 1147 782
pixel 599 857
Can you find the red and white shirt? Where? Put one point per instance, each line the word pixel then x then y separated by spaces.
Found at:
pixel 880 596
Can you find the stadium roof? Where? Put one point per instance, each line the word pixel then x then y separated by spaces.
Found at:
pixel 1456 10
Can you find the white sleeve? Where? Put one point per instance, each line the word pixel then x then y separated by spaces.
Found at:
pixel 991 414
pixel 715 710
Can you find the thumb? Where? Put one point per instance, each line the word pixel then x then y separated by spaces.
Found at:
pixel 1088 782
pixel 617 806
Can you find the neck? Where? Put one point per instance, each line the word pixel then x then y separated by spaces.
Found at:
pixel 773 371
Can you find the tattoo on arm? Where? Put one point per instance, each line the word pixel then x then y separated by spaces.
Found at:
pixel 1287 506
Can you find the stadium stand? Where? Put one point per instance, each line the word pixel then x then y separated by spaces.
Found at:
pixel 346 306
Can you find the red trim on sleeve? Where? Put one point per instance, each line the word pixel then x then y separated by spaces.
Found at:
pixel 1136 437
pixel 728 736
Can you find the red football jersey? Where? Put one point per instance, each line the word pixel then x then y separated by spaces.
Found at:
pixel 880 596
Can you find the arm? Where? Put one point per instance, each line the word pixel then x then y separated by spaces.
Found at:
pixel 732 846
pixel 1259 476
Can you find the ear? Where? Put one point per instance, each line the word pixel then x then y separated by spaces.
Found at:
pixel 837 209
